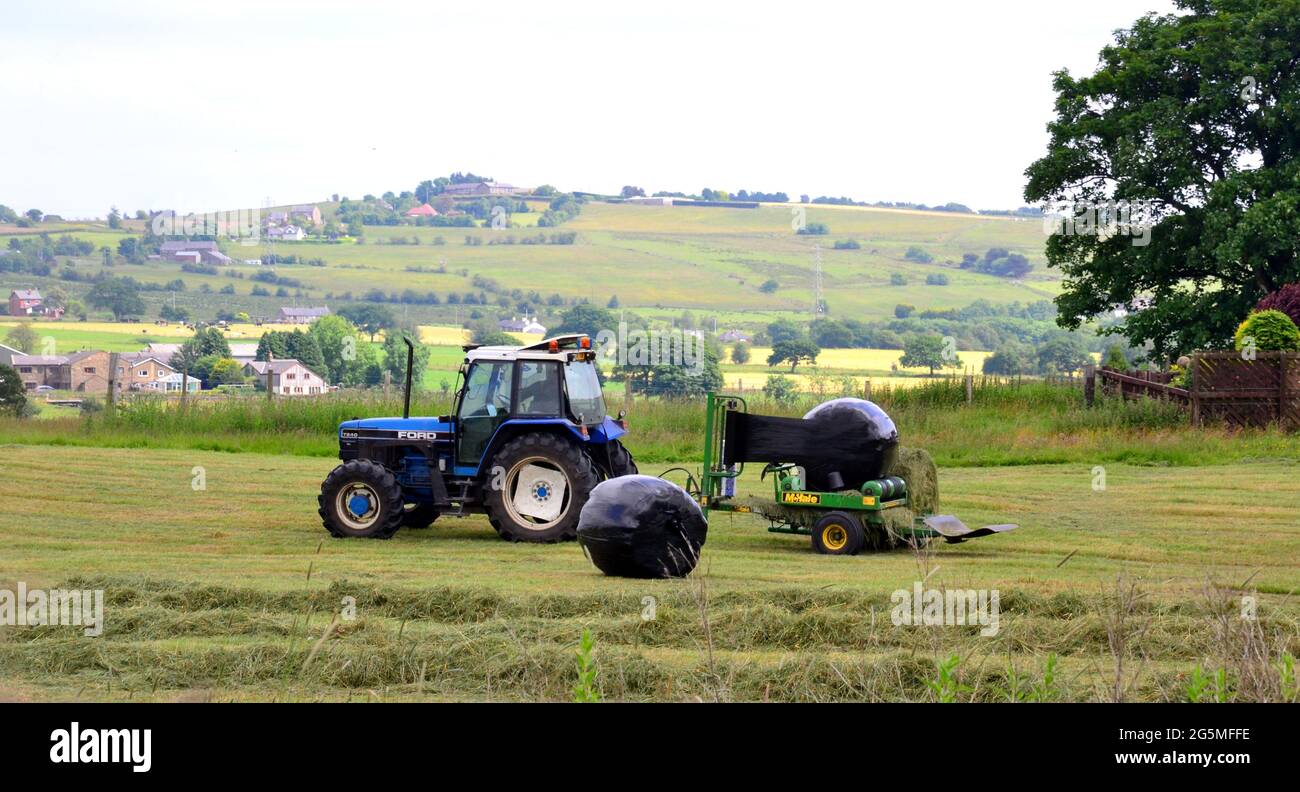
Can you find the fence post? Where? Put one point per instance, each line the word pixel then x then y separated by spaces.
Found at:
pixel 388 381
pixel 970 387
pixel 1194 389
pixel 185 385
pixel 111 404
pixel 1282 398
pixel 1089 384
pixel 866 389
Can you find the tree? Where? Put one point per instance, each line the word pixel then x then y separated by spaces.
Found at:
pixel 22 337
pixel 781 389
pixel 370 318
pixel 1007 361
pixel 337 340
pixel 207 342
pixel 918 255
pixel 34 215
pixel 1116 359
pixel 632 192
pixel 613 302
pixel 904 310
pixel 740 353
pixel 119 295
pixel 114 218
pixel 395 356
pixel 794 352
pixel 1285 299
pixel 226 371
pixel 769 286
pixel 586 319
pixel 928 351
pixel 7 215
pixel 784 330
pixel 1062 354
pixel 13 397
pixel 1192 116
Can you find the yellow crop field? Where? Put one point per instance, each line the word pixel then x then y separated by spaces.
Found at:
pixel 866 360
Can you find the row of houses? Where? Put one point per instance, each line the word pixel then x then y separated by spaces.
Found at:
pixel 150 371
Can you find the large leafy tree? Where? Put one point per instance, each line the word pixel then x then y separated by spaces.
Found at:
pixel 119 295
pixel 1195 117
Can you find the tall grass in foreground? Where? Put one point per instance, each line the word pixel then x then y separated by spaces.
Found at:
pixel 1006 423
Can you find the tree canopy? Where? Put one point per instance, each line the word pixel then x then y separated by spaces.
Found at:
pixel 1191 117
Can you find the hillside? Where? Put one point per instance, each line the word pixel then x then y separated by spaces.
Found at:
pixel 659 261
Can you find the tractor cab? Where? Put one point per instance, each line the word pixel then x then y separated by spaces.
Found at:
pixel 528 438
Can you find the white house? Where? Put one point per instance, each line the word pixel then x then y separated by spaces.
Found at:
pixel 524 325
pixel 288 233
pixel 288 377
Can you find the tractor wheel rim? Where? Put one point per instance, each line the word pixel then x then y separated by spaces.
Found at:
pixel 512 484
pixel 357 505
pixel 835 537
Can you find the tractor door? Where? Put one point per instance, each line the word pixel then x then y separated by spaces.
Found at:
pixel 483 408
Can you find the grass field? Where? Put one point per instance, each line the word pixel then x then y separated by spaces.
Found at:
pixel 229 592
pixel 660 260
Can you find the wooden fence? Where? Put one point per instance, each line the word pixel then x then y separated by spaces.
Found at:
pixel 1221 386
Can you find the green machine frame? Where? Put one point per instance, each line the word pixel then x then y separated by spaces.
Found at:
pixel 793 509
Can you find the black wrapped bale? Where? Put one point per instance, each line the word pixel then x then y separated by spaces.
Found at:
pixel 856 439
pixel 641 527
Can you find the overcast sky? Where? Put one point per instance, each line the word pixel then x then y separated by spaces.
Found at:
pixel 200 106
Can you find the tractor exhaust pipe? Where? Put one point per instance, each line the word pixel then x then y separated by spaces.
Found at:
pixel 410 361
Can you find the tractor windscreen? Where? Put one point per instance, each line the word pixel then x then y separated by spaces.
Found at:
pixel 584 391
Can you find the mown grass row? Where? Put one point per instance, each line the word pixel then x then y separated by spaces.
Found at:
pixel 1006 423
pixel 803 644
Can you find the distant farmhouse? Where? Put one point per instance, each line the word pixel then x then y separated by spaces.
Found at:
pixel 306 215
pixel 28 302
pixel 423 210
pixel 476 189
pixel 288 377
pixel 290 233
pixel 732 336
pixel 524 325
pixel 289 315
pixel 193 252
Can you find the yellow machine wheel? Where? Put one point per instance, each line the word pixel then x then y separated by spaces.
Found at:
pixel 838 533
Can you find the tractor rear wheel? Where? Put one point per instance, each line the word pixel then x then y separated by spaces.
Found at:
pixel 838 533
pixel 361 499
pixel 621 462
pixel 419 515
pixel 537 486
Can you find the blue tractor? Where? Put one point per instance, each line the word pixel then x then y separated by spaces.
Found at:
pixel 529 440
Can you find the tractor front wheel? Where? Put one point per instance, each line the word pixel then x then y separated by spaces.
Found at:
pixel 621 462
pixel 537 485
pixel 838 533
pixel 361 499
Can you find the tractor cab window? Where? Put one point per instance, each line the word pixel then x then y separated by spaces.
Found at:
pixel 539 388
pixel 584 391
pixel 484 407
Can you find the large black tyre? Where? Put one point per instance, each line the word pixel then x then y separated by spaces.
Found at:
pixel 621 462
pixel 419 515
pixel 838 533
pixel 361 499
pixel 512 463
